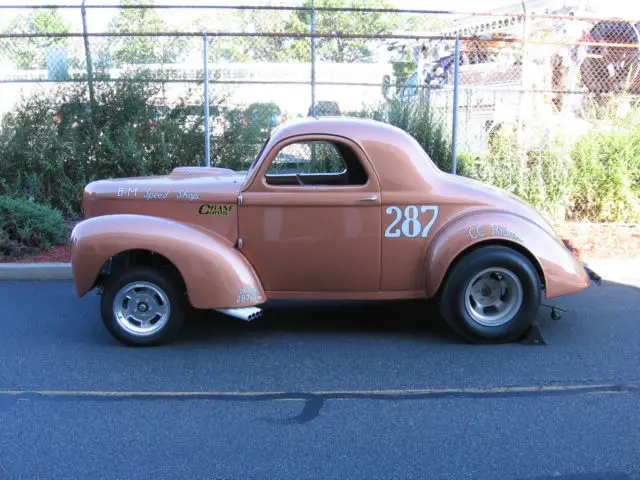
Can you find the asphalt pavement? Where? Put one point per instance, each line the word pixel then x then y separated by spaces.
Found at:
pixel 309 391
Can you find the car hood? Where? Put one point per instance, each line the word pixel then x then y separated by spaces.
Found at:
pixel 166 195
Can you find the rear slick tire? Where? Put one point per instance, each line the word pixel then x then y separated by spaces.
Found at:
pixel 491 295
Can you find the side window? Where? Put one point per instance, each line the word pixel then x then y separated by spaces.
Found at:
pixel 316 162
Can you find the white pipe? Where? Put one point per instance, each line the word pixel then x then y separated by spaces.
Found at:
pixel 243 313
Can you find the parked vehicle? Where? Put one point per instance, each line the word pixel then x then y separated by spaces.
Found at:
pixel 192 115
pixel 365 215
pixel 325 108
pixel 265 116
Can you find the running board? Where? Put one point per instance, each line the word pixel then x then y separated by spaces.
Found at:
pixel 243 313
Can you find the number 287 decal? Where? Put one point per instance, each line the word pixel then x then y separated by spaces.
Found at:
pixel 409 223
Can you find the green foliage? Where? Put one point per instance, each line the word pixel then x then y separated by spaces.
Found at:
pixel 606 172
pixel 52 144
pixel 287 49
pixel 594 178
pixel 139 50
pixel 26 227
pixel 341 49
pixel 540 175
pixel 28 53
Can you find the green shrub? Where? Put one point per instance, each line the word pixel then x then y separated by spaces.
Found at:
pixel 52 144
pixel 606 172
pixel 27 228
pixel 538 174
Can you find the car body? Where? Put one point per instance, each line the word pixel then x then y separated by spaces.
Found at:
pixel 366 216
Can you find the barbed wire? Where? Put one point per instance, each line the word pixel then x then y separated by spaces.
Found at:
pixel 300 35
pixel 470 13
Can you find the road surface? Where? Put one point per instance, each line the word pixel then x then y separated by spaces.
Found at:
pixel 340 391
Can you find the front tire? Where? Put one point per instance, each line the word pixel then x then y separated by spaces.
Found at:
pixel 143 307
pixel 492 295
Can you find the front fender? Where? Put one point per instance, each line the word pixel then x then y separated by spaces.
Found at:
pixel 216 275
pixel 563 273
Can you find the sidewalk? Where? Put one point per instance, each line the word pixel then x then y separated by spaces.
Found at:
pixel 625 271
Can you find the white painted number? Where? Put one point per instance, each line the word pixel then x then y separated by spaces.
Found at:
pixel 395 233
pixel 411 226
pixel 429 208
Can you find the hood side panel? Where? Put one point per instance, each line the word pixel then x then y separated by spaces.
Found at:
pixel 208 202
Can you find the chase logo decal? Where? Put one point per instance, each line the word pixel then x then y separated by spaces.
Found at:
pixel 214 209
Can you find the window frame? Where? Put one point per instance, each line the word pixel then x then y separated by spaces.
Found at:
pixel 258 181
pixel 296 175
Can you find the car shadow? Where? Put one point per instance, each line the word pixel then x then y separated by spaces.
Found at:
pixel 415 318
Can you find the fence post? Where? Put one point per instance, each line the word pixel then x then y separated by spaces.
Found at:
pixel 87 53
pixel 456 87
pixel 313 60
pixel 207 130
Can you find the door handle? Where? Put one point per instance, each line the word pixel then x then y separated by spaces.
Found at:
pixel 371 198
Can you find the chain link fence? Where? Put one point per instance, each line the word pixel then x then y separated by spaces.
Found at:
pixel 543 104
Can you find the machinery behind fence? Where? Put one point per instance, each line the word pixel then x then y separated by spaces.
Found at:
pixel 535 70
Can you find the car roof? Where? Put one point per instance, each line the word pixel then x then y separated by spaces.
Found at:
pixel 399 160
pixel 353 128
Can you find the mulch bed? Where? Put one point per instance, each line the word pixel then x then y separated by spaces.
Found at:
pixel 589 240
pixel 602 240
pixel 61 253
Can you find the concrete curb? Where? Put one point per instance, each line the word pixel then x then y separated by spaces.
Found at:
pixel 35 271
pixel 627 270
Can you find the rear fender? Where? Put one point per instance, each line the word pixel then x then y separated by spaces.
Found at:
pixel 215 274
pixel 562 273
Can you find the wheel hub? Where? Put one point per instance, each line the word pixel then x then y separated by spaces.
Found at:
pixel 141 308
pixel 493 296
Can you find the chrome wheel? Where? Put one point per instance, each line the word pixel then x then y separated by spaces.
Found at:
pixel 493 297
pixel 141 308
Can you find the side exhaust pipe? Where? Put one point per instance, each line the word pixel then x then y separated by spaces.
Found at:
pixel 243 313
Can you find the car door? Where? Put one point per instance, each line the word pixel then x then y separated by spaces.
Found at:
pixel 310 221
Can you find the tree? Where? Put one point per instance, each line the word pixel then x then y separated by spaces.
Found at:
pixel 144 49
pixel 230 49
pixel 341 49
pixel 28 53
pixel 272 48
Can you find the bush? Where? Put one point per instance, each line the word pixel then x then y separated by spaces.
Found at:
pixel 539 174
pixel 606 172
pixel 27 228
pixel 53 144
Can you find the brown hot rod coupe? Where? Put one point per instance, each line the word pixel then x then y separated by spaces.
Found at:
pixel 331 209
